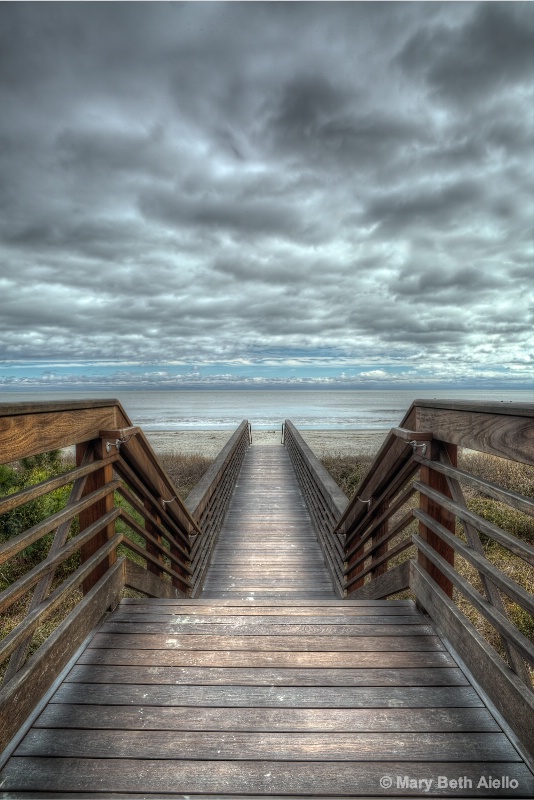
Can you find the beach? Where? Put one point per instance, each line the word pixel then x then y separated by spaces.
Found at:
pixel 322 442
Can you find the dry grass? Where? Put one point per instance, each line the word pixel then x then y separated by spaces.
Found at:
pixel 185 470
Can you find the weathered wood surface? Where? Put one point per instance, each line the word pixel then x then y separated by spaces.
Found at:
pixel 21 694
pixel 512 698
pixel 267 546
pixel 269 715
pixel 324 499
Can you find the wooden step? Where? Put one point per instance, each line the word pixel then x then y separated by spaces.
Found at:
pixel 299 701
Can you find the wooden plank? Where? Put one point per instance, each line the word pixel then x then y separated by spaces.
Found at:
pixel 513 499
pixel 94 481
pixel 202 619
pixel 27 434
pixel 136 577
pixel 278 604
pixel 394 580
pixel 250 676
pixel 507 435
pixel 32 620
pixel 485 568
pixel 21 694
pixel 269 696
pixel 313 643
pixel 296 614
pixel 251 746
pixel 512 543
pixel 271 630
pixel 268 520
pixel 249 777
pixel 33 534
pixel 511 697
pixel 500 622
pixel 198 497
pixel 50 484
pixel 273 658
pixel 265 719
pixel 429 506
pixel 47 567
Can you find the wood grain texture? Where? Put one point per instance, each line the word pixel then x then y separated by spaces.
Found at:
pixel 266 778
pixel 194 642
pixel 512 698
pixel 267 519
pixel 264 676
pixel 252 717
pixel 265 719
pixel 24 435
pixel 251 746
pixel 507 435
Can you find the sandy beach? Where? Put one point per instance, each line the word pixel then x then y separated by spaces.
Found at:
pixel 322 442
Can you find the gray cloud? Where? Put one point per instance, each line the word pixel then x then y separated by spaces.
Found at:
pixel 303 182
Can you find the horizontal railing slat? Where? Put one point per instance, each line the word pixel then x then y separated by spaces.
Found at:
pixel 17 589
pixel 513 499
pixel 514 591
pixel 32 620
pixel 512 543
pixel 17 499
pixel 23 540
pixel 498 620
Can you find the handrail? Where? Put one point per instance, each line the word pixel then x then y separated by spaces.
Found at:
pixel 121 525
pixel 208 501
pixel 325 500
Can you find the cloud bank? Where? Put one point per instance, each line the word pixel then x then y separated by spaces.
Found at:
pixel 336 192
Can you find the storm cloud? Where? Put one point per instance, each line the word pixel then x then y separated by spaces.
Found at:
pixel 291 185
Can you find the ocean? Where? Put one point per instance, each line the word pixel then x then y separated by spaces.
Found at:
pixel 208 409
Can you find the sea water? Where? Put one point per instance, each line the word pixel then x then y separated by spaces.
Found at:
pixel 209 409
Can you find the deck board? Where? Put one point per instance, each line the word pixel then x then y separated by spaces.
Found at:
pixel 315 726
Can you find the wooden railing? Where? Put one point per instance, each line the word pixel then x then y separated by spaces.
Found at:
pixel 409 519
pixel 325 500
pixel 120 524
pixel 208 502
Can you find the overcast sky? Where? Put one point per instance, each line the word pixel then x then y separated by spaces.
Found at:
pixel 203 192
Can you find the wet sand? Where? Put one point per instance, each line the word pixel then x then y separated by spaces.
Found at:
pixel 322 442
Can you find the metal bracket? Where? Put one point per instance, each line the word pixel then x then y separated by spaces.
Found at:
pixel 422 445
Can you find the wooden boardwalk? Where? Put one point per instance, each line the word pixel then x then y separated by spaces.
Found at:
pixel 267 547
pixel 268 686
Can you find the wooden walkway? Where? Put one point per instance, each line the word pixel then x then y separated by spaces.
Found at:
pixel 268 686
pixel 217 698
pixel 267 547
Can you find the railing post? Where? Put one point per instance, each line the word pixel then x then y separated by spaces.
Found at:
pixel 94 481
pixel 439 482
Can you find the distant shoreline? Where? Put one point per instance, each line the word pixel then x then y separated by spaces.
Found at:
pixel 322 442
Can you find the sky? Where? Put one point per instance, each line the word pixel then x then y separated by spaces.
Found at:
pixel 268 194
